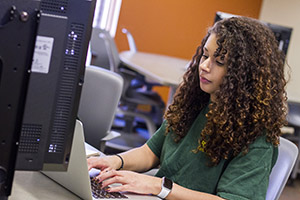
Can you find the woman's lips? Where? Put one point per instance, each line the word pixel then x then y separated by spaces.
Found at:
pixel 204 80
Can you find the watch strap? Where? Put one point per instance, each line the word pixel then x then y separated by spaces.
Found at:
pixel 164 190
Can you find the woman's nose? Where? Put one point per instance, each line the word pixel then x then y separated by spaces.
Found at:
pixel 205 65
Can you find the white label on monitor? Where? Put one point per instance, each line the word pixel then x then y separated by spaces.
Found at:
pixel 42 54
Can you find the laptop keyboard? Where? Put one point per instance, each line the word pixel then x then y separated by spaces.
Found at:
pixel 102 193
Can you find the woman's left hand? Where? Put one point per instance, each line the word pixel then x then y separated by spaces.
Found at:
pixel 130 182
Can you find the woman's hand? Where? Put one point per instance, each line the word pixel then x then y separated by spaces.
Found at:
pixel 104 163
pixel 130 182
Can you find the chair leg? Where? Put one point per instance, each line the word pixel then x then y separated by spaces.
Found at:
pixel 151 127
pixel 102 146
pixel 129 123
pixel 129 119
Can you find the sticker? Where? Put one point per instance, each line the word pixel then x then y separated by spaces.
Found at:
pixel 42 54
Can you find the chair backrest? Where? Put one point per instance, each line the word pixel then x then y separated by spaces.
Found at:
pixel 287 155
pixel 130 40
pixel 104 50
pixel 99 49
pixel 100 96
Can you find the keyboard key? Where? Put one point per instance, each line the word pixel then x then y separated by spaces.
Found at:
pixel 102 193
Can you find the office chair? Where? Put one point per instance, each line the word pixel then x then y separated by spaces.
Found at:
pixel 287 156
pixel 293 119
pixel 132 47
pixel 133 93
pixel 130 39
pixel 100 53
pixel 100 96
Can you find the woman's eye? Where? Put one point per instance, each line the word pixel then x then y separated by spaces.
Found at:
pixel 219 63
pixel 204 56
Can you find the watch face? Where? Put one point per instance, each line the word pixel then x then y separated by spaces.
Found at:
pixel 168 183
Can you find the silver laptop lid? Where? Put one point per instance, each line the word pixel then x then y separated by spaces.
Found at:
pixel 76 178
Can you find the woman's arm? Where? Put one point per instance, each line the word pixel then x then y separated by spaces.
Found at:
pixel 145 184
pixel 139 159
pixel 181 193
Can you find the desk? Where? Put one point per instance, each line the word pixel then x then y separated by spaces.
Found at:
pixel 36 186
pixel 165 70
pixel 30 185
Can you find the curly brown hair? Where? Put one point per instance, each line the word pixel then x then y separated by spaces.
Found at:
pixel 251 100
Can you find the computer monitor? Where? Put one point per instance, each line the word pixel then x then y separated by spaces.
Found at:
pixel 18 26
pixel 282 33
pixel 42 91
pixel 55 84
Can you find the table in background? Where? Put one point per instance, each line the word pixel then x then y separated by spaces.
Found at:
pixel 162 69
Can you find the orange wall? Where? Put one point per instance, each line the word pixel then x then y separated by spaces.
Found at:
pixel 174 27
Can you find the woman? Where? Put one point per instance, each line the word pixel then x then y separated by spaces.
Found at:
pixel 220 135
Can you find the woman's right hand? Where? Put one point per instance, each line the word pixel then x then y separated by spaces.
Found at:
pixel 104 162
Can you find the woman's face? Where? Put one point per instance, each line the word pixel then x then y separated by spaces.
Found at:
pixel 211 69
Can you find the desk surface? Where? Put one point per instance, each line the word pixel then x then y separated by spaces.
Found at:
pixel 162 69
pixel 30 185
pixel 36 186
pixel 33 185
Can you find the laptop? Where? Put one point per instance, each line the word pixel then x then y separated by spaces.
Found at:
pixel 77 178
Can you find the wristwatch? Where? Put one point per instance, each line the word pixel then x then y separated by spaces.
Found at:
pixel 166 187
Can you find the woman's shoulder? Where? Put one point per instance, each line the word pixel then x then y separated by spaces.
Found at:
pixel 262 146
pixel 261 142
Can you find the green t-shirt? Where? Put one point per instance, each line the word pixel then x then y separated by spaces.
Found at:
pixel 240 178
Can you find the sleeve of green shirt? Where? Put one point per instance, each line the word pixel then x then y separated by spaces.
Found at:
pixel 247 176
pixel 156 142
